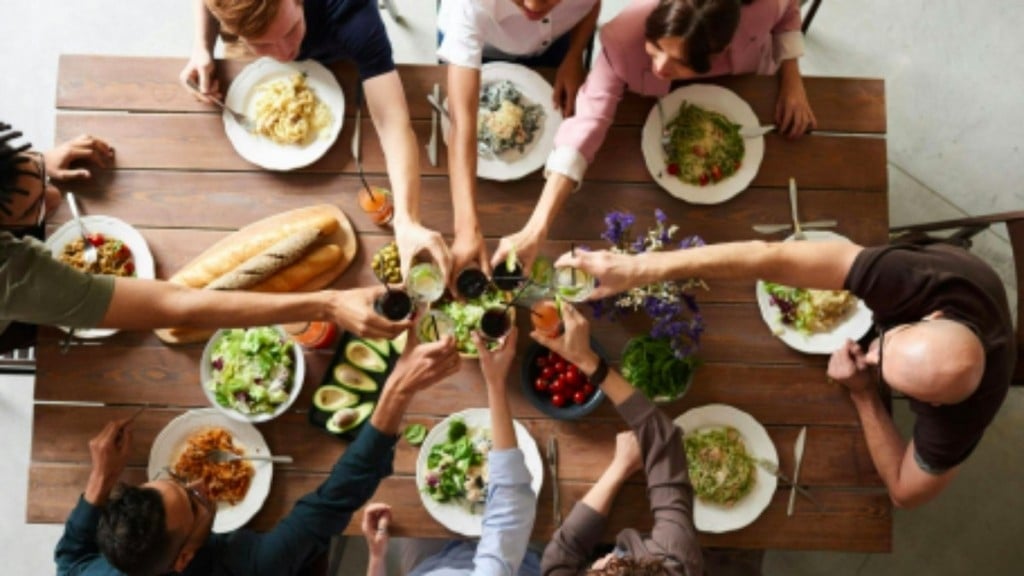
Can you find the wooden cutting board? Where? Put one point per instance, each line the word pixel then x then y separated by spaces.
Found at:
pixel 344 237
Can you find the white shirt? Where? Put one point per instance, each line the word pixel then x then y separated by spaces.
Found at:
pixel 499 29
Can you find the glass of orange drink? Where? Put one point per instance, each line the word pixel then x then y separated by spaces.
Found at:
pixel 546 317
pixel 377 204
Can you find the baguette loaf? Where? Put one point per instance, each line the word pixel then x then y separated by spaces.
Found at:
pixel 298 274
pixel 266 263
pixel 223 259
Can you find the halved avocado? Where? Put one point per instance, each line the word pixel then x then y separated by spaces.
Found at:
pixel 398 342
pixel 364 357
pixel 380 345
pixel 348 418
pixel 354 379
pixel 333 398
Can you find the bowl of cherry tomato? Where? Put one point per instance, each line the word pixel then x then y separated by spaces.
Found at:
pixel 556 387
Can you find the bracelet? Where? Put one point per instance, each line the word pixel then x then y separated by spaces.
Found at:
pixel 597 378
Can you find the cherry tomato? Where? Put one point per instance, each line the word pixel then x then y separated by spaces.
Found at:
pixel 129 268
pixel 672 169
pixel 124 253
pixel 699 152
pixel 716 172
pixel 558 386
pixel 588 388
pixel 572 379
pixel 547 373
pixel 737 165
pixel 558 400
pixel 540 385
pixel 579 397
pixel 704 179
pixel 96 240
pixel 560 366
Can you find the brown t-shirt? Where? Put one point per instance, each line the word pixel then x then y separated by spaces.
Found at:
pixel 902 284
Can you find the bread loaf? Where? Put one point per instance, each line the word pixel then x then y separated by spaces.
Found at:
pixel 222 259
pixel 266 263
pixel 310 266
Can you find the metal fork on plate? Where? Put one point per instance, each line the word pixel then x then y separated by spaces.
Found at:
pixel 243 120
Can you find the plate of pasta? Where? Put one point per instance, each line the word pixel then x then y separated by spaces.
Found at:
pixel 516 122
pixel 297 109
pixel 239 488
pixel 813 321
pixel 121 251
pixel 702 158
pixel 723 446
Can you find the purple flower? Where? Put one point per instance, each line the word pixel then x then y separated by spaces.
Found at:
pixel 691 242
pixel 639 245
pixel 616 225
pixel 660 216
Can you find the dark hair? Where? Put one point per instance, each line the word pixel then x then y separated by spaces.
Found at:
pixel 630 566
pixel 11 159
pixel 132 532
pixel 706 27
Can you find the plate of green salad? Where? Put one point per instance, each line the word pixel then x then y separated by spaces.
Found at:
pixel 452 471
pixel 466 315
pixel 252 374
pixel 723 445
pixel 703 159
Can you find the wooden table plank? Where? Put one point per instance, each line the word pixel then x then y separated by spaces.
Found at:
pixel 198 142
pixel 140 84
pixel 228 201
pixel 854 521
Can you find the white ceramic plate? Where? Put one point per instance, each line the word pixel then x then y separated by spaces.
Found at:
pixel 716 99
pixel 298 379
pixel 513 165
pixel 853 327
pixel 454 516
pixel 109 227
pixel 262 151
pixel 172 439
pixel 712 517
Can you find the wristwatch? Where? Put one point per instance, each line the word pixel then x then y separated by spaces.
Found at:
pixel 600 373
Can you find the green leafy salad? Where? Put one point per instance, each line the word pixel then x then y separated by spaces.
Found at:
pixel 720 469
pixel 251 370
pixel 467 316
pixel 457 469
pixel 704 146
pixel 651 366
pixel 808 310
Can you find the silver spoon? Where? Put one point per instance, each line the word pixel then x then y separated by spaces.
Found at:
pixel 89 252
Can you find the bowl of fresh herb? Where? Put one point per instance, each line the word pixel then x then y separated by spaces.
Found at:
pixel 652 366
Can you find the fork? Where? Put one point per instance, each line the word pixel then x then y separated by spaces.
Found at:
pixel 666 138
pixel 89 252
pixel 798 233
pixel 242 119
pixel 222 456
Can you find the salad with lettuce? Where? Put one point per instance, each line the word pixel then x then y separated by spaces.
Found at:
pixel 467 316
pixel 251 370
pixel 457 468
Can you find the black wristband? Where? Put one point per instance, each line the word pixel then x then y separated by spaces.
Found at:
pixel 600 373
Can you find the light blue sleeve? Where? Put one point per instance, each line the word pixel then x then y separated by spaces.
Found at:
pixel 508 516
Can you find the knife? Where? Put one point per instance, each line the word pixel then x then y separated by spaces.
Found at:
pixel 773 228
pixel 434 120
pixel 748 132
pixel 773 469
pixel 553 467
pixel 798 454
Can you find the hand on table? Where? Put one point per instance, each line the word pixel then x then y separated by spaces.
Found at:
pixel 793 114
pixel 82 148
pixel 574 343
pixel 376 517
pixel 109 453
pixel 568 80
pixel 495 363
pixel 413 238
pixel 848 367
pixel 353 311
pixel 201 70
pixel 615 273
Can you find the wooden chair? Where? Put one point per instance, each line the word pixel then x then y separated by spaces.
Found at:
pixel 960 232
pixel 811 13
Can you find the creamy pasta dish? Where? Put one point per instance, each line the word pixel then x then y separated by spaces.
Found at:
pixel 506 119
pixel 287 111
pixel 720 469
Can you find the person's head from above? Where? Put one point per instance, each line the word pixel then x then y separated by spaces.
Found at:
pixel 272 28
pixel 26 194
pixel 536 9
pixel 612 565
pixel 683 35
pixel 155 528
pixel 935 360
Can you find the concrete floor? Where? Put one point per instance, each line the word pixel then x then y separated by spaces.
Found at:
pixel 953 79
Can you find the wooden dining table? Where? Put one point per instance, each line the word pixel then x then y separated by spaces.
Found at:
pixel 178 180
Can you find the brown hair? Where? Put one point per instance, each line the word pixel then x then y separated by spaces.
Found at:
pixel 245 18
pixel 630 566
pixel 706 27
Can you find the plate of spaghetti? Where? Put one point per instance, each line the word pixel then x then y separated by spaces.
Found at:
pixel 239 488
pixel 297 109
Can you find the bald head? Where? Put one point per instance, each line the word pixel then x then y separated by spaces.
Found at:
pixel 938 361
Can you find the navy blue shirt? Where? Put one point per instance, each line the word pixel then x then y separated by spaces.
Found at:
pixel 347 30
pixel 284 551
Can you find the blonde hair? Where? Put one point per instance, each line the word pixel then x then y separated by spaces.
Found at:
pixel 245 18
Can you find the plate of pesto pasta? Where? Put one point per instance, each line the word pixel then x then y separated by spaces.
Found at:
pixel 693 147
pixel 297 110
pixel 727 454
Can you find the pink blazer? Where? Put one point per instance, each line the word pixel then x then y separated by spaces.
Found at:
pixel 768 33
